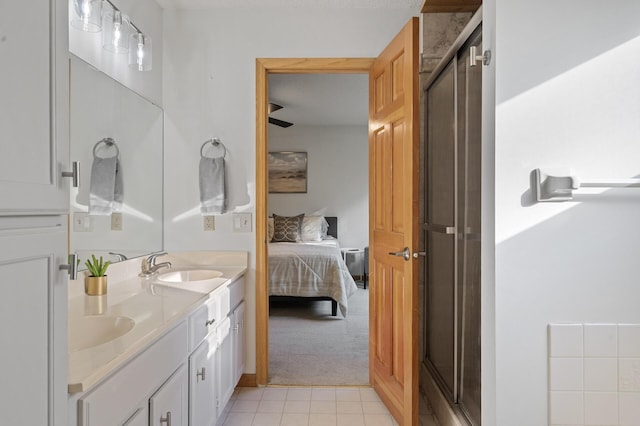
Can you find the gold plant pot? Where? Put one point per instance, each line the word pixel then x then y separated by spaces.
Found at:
pixel 95 286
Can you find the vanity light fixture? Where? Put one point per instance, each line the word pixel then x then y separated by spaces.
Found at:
pixel 140 52
pixel 115 31
pixel 119 34
pixel 88 15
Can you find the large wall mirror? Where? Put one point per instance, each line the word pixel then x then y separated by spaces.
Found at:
pixel 107 119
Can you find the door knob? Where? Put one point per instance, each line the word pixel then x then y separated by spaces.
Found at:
pixel 406 253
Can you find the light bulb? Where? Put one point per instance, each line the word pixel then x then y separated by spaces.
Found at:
pixel 88 15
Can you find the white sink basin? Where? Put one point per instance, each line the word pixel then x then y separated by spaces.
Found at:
pixel 194 276
pixel 87 332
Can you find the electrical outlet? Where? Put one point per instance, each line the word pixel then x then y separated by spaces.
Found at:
pixel 242 222
pixel 209 223
pixel 82 222
pixel 116 221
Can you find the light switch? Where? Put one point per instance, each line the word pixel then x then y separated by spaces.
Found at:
pixel 242 222
pixel 82 222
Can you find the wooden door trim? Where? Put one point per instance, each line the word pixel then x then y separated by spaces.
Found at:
pixel 264 67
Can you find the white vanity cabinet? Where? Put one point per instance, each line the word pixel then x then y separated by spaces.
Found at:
pixel 224 364
pixel 33 363
pixel 212 365
pixel 34 107
pixel 185 377
pixel 203 409
pixel 237 337
pixel 139 418
pixel 34 201
pixel 129 390
pixel 168 406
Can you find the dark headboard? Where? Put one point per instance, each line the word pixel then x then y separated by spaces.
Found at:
pixel 333 226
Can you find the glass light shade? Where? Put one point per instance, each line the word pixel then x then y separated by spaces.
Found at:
pixel 140 50
pixel 87 15
pixel 115 32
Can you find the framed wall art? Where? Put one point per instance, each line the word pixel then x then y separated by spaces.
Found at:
pixel 287 172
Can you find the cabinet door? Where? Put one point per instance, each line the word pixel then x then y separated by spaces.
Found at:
pixel 139 418
pixel 238 342
pixel 168 406
pixel 33 324
pixel 202 385
pixel 224 364
pixel 34 93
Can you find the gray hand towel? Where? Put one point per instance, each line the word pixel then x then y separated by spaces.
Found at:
pixel 213 194
pixel 105 189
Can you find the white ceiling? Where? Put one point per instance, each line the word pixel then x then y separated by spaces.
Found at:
pixel 315 4
pixel 321 99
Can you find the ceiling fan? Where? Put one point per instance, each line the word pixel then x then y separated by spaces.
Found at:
pixel 274 107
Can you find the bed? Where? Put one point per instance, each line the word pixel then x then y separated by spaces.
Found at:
pixel 311 270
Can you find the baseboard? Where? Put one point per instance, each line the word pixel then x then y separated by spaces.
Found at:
pixel 444 413
pixel 248 381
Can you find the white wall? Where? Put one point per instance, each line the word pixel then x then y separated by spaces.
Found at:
pixel 209 90
pixel 337 177
pixel 566 94
pixel 147 16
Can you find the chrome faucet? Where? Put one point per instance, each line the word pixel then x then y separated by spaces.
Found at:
pixel 121 257
pixel 149 266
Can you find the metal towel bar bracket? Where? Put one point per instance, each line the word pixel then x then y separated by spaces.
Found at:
pixel 216 143
pixel 109 142
pixel 559 186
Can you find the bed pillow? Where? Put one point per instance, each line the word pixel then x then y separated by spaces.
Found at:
pixel 270 228
pixel 287 229
pixel 313 227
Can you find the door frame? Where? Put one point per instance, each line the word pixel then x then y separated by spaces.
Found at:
pixel 264 67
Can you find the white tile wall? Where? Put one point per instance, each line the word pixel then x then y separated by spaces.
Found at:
pixel 594 374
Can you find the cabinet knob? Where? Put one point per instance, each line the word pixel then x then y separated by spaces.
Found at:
pixel 209 322
pixel 167 419
pixel 201 373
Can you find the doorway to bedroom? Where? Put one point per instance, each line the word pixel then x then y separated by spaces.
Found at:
pixel 317 167
pixel 335 186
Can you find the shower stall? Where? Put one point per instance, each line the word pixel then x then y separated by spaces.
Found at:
pixel 452 224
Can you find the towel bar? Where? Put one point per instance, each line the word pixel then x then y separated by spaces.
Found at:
pixel 549 186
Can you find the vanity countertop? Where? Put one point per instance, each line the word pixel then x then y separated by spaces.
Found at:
pixel 154 308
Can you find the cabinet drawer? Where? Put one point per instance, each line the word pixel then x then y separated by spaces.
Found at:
pixel 203 321
pixel 236 292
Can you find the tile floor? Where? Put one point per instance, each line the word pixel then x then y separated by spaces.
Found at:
pixel 306 406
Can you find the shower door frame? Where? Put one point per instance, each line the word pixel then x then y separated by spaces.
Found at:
pixel 472 31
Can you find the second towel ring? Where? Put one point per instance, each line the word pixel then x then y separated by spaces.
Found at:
pixel 216 143
pixel 109 142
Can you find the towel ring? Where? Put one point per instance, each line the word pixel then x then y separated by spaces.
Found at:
pixel 215 142
pixel 109 142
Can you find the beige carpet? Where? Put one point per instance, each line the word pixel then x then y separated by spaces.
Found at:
pixel 307 346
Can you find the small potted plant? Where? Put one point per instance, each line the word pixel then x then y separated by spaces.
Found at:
pixel 95 284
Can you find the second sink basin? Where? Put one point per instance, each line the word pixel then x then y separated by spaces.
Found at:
pixel 87 332
pixel 189 276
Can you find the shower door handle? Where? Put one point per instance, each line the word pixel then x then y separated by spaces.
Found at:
pixel 441 229
pixel 405 253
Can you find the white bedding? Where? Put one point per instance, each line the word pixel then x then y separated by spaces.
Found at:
pixel 310 269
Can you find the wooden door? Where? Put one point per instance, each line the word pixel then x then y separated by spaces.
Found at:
pixel 393 160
